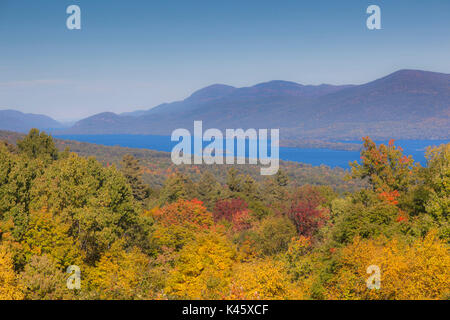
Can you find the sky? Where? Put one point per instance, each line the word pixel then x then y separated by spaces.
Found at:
pixel 135 54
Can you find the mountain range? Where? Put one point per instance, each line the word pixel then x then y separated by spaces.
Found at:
pixel 13 120
pixel 405 104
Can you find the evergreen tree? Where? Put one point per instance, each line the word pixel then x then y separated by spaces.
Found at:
pixel 234 181
pixel 38 145
pixel 250 188
pixel 208 189
pixel 132 171
pixel 281 178
pixel 177 186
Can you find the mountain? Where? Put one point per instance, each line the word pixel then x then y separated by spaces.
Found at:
pixel 206 94
pixel 22 122
pixel 405 104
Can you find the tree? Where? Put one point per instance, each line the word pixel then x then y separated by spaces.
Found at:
pixel 273 235
pixel 177 186
pixel 386 168
pixel 234 181
pixel 48 234
pixel 17 176
pixel 8 146
pixel 225 209
pixel 38 144
pixel 9 287
pixel 306 212
pixel 437 182
pixel 249 188
pixel 43 280
pixel 132 171
pixel 274 194
pixel 179 222
pixel 302 263
pixel 97 202
pixel 121 274
pixel 417 271
pixel 262 280
pixel 365 215
pixel 208 189
pixel 204 268
pixel 281 178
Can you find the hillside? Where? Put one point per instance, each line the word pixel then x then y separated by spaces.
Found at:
pixel 157 165
pixel 295 235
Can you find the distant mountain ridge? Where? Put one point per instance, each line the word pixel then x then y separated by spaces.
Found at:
pixel 405 104
pixel 13 120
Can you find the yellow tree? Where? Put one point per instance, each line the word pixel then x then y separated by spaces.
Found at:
pixel 9 289
pixel 121 274
pixel 264 279
pixel 47 234
pixel 417 271
pixel 204 268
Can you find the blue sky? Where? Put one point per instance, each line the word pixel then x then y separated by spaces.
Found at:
pixel 136 54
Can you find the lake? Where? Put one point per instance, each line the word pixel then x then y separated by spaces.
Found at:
pixel 315 157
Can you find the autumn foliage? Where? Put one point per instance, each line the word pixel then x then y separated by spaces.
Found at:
pixel 250 237
pixel 306 212
pixel 235 211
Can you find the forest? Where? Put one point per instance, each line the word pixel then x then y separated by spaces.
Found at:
pixel 141 228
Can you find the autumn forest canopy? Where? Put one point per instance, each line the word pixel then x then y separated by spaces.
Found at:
pixel 138 229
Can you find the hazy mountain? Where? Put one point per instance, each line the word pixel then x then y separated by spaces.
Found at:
pixel 22 122
pixel 407 103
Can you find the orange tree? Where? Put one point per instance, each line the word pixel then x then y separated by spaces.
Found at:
pixel 386 168
pixel 179 222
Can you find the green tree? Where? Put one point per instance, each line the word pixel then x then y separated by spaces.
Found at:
pixel 177 186
pixel 364 215
pixel 234 181
pixel 281 178
pixel 132 171
pixel 96 202
pixel 38 144
pixel 273 235
pixel 208 189
pixel 249 188
pixel 17 176
pixel 437 182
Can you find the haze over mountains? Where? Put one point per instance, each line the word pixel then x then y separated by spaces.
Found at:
pixel 405 104
pixel 22 122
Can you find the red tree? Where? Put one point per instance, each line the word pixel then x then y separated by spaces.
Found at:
pixel 305 211
pixel 224 209
pixel 234 211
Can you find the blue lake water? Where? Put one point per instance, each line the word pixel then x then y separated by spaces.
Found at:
pixel 315 157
